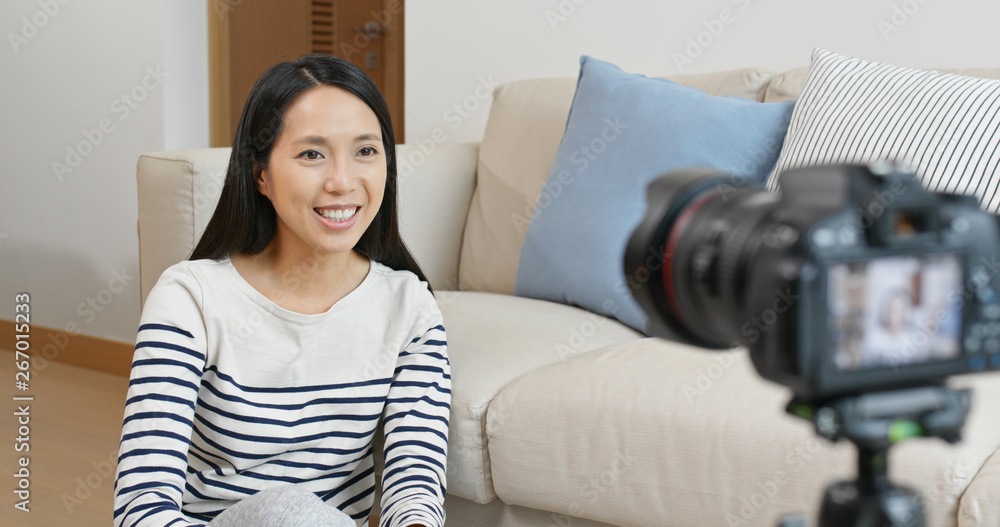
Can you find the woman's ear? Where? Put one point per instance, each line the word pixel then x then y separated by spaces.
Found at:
pixel 262 179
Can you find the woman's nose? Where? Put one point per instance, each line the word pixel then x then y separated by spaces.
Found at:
pixel 339 179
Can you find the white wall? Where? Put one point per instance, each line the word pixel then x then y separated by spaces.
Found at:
pixel 185 56
pixel 455 46
pixel 83 96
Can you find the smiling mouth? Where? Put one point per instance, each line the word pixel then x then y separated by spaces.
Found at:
pixel 338 215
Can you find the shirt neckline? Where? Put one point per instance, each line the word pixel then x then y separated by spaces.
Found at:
pixel 258 298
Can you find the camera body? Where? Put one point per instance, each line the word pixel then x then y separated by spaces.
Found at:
pixel 854 279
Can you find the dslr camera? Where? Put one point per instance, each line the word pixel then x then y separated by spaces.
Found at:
pixel 853 279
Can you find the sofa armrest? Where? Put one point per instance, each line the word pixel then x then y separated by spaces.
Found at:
pixel 978 505
pixel 435 192
pixel 178 192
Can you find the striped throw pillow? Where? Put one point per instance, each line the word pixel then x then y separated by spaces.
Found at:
pixel 854 111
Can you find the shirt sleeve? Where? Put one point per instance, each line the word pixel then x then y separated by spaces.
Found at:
pixel 416 427
pixel 159 410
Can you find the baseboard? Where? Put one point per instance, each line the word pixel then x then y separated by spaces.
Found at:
pixel 95 353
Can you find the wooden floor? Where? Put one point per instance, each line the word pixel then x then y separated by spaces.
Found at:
pixel 75 423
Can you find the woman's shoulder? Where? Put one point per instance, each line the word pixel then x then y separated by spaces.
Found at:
pixel 198 270
pixel 401 282
pixel 192 275
pixel 387 273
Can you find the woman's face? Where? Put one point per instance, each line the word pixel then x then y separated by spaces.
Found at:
pixel 896 311
pixel 326 174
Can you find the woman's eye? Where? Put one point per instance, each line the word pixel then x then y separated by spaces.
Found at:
pixel 311 155
pixel 368 151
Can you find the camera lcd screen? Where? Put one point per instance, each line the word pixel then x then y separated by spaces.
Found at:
pixel 894 311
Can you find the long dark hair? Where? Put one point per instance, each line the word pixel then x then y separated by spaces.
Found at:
pixel 244 221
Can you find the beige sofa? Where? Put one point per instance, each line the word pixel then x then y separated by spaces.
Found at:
pixel 562 417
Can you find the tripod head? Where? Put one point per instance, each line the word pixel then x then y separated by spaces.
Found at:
pixel 878 420
pixel 874 422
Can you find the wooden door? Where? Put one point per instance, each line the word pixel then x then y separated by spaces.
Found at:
pixel 246 37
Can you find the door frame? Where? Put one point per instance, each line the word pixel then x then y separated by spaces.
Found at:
pixel 220 109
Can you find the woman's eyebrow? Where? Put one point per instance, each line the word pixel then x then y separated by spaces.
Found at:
pixel 311 139
pixel 319 140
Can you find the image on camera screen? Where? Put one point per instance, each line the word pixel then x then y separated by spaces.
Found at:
pixel 894 311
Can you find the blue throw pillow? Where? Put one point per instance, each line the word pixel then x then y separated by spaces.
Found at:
pixel 624 131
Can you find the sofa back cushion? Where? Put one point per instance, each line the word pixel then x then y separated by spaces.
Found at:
pixel 519 144
pixel 787 85
pixel 525 127
pixel 625 131
pixel 853 110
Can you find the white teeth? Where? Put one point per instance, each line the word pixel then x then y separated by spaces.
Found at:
pixel 338 215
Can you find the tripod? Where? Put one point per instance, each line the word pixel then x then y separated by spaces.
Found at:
pixel 874 422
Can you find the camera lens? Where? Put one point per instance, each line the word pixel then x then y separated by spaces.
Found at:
pixel 704 226
pixel 851 280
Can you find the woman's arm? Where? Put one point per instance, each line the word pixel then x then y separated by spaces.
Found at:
pixel 416 429
pixel 159 411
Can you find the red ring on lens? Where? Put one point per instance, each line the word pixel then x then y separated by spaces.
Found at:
pixel 668 251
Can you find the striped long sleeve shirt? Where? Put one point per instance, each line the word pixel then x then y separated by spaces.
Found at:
pixel 231 394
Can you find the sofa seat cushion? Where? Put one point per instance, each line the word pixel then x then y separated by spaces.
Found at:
pixel 492 340
pixel 651 432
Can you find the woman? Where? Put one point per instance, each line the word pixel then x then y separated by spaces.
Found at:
pixel 265 363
